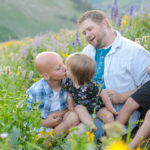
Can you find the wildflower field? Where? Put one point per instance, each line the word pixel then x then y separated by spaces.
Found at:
pixel 17 74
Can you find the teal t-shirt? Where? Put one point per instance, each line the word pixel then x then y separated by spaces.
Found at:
pixel 100 60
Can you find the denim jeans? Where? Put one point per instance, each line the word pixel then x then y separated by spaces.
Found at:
pixel 99 132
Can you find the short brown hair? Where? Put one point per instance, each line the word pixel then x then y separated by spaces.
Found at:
pixel 95 15
pixel 81 66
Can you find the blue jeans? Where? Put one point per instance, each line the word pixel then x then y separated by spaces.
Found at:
pixel 99 132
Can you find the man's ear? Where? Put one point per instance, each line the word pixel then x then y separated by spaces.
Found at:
pixel 45 76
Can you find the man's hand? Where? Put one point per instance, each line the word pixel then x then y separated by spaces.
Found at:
pixel 114 96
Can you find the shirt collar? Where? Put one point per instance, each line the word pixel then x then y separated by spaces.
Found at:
pixel 47 88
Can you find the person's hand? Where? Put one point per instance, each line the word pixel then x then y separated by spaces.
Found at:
pixel 114 96
pixel 53 120
pixel 113 111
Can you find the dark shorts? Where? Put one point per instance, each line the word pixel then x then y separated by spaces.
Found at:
pixel 142 96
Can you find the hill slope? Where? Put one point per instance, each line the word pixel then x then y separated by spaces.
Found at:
pixel 21 18
pixel 124 5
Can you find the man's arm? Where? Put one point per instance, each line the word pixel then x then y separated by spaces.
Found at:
pixel 118 98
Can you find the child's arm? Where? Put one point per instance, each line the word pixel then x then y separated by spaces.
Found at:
pixel 106 100
pixel 70 102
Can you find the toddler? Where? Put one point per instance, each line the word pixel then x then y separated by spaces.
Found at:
pixel 84 92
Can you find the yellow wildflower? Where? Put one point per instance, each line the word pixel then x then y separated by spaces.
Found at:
pixel 71 141
pixel 138 148
pixel 33 80
pixel 125 17
pixel 110 138
pixel 148 15
pixel 123 21
pixel 87 133
pixel 49 133
pixel 50 144
pixel 41 132
pixel 56 37
pixel 19 146
pixel 92 137
pixel 118 145
pixel 18 73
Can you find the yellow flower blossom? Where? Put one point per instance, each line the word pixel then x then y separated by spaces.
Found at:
pixel 123 21
pixel 71 141
pixel 19 146
pixel 50 144
pixel 118 145
pixel 125 17
pixel 87 133
pixel 56 37
pixel 18 73
pixel 138 148
pixel 41 132
pixel 110 138
pixel 33 80
pixel 148 15
pixel 50 133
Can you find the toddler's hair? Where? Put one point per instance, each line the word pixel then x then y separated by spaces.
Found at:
pixel 81 66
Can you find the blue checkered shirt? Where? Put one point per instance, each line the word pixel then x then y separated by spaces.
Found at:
pixel 41 92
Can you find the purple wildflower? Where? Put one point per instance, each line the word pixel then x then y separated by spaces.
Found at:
pixel 77 39
pixel 73 44
pixel 121 32
pixel 131 10
pixel 119 21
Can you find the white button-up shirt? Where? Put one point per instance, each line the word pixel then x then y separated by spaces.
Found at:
pixel 125 64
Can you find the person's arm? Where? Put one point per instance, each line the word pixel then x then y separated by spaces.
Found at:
pixel 106 100
pixel 70 102
pixel 118 98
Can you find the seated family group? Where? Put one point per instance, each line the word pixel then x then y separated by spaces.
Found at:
pixel 109 77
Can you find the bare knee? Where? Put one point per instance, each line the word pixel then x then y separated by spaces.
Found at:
pixel 105 115
pixel 109 117
pixel 80 108
pixel 72 119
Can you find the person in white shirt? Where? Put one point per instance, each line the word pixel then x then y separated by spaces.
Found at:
pixel 121 64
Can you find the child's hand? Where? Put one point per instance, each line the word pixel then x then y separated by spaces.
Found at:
pixel 113 111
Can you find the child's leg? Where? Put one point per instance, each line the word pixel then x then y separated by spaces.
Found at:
pixel 143 132
pixel 85 116
pixel 105 115
pixel 125 113
pixel 71 120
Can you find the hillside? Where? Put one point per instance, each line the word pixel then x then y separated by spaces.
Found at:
pixel 22 18
pixel 124 5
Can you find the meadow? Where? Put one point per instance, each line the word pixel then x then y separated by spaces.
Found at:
pixel 17 74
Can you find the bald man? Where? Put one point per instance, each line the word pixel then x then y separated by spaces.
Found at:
pixel 49 92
